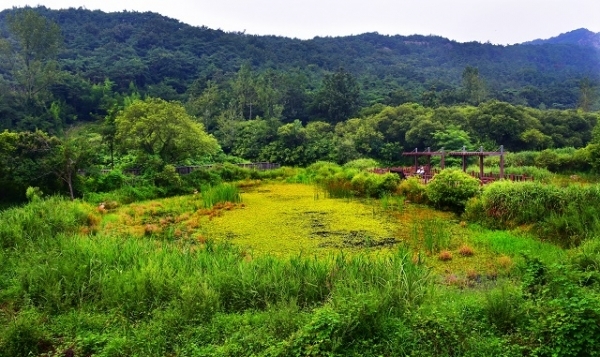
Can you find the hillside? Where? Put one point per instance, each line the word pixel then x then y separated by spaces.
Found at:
pixel 581 37
pixel 152 50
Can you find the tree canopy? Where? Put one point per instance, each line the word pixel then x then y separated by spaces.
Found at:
pixel 154 127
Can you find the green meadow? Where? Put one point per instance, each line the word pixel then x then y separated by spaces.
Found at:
pixel 271 268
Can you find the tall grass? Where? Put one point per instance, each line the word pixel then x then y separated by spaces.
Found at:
pixel 566 215
pixel 538 173
pixel 138 277
pixel 212 195
pixel 42 219
pixel 515 245
pixel 433 234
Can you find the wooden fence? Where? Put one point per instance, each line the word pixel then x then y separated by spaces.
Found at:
pixel 430 173
pixel 184 170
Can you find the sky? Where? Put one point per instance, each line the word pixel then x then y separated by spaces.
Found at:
pixel 495 21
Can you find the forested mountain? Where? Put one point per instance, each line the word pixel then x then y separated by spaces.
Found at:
pixel 166 58
pixel 269 98
pixel 582 37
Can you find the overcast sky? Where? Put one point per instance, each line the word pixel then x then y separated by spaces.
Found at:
pixel 496 21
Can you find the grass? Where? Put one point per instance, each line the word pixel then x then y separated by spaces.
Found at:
pixel 286 272
pixel 212 195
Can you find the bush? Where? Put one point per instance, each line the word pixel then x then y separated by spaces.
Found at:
pixel 451 189
pixel 24 336
pixel 323 170
pixel 111 181
pixel 33 193
pixel 413 190
pixel 200 177
pixel 229 172
pixel 374 185
pixel 362 164
pixel 169 180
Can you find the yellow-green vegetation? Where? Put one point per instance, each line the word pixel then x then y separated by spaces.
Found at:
pixel 292 218
pixel 287 220
pixel 287 271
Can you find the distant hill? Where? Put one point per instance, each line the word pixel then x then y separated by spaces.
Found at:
pixel 582 37
pixel 165 57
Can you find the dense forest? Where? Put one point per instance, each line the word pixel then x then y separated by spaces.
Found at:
pixel 267 98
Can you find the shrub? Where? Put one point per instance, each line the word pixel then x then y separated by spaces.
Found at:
pixel 413 190
pixel 322 170
pixel 200 177
pixel 374 185
pixel 169 180
pixel 229 172
pixel 445 255
pixel 110 181
pixel 466 251
pixel 361 164
pixel 451 189
pixel 33 193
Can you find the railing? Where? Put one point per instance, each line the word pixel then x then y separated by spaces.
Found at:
pixel 184 170
pixel 408 171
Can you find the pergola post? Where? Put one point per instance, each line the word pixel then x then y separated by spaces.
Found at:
pixel 481 162
pixel 428 161
pixel 416 160
pixel 464 159
pixel 501 162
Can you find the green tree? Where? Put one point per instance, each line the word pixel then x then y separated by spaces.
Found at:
pixel 25 162
pixel 33 58
pixel 339 97
pixel 452 138
pixel 473 86
pixel 245 95
pixel 69 157
pixel 155 128
pixel 207 106
pixel 587 95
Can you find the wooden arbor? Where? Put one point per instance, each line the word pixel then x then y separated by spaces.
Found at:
pixel 464 154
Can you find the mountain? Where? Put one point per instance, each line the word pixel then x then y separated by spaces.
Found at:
pixel 581 37
pixel 163 57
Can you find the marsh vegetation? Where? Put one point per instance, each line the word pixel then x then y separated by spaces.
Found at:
pixel 287 269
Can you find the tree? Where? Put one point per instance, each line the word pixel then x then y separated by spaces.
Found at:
pixel 207 106
pixel 69 157
pixel 587 95
pixel 25 162
pixel 156 128
pixel 339 97
pixel 33 59
pixel 244 91
pixel 452 138
pixel 473 85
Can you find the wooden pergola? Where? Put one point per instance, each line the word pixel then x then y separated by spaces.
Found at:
pixel 463 153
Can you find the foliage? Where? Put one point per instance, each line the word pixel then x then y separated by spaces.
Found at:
pixel 220 194
pixel 82 285
pixel 362 164
pixel 155 127
pixel 567 215
pixel 451 189
pixel 413 189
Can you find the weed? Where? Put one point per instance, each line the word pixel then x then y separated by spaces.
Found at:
pixel 445 255
pixel 505 262
pixel 466 251
pixel 220 194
